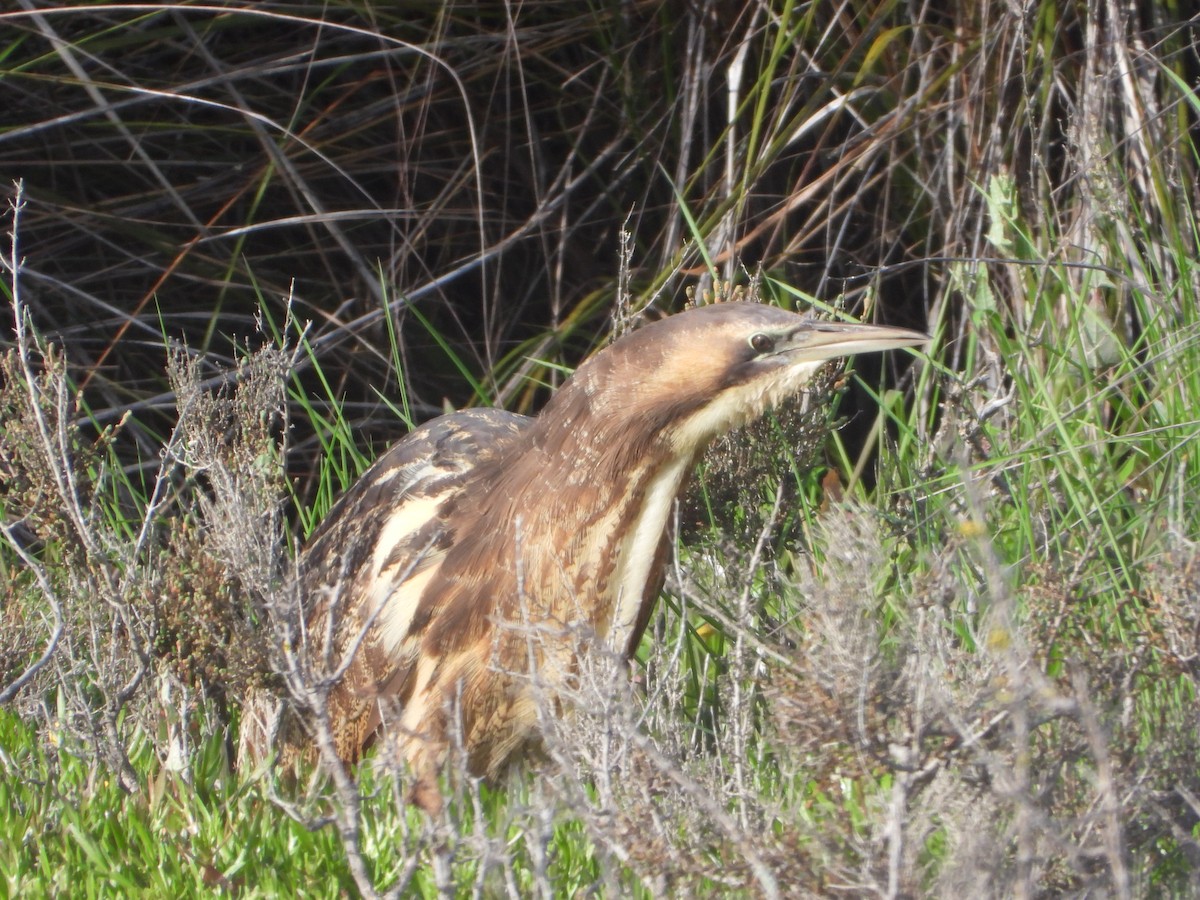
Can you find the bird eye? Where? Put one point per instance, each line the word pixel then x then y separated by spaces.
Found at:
pixel 762 343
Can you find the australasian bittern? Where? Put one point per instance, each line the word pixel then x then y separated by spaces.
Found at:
pixel 482 520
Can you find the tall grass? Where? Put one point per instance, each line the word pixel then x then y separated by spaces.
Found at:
pixel 952 644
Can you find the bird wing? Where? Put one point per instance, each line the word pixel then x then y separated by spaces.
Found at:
pixel 366 565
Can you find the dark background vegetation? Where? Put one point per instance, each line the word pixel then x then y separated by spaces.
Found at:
pixel 183 168
pixel 442 190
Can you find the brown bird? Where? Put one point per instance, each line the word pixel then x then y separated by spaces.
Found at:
pixel 487 547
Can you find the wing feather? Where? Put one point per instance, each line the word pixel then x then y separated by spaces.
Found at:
pixel 380 545
pixel 366 565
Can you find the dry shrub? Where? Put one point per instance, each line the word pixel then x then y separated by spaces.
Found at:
pixel 230 445
pixel 124 617
pixel 886 741
pixel 80 635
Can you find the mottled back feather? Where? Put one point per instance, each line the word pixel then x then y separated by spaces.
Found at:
pixel 384 532
pixel 396 512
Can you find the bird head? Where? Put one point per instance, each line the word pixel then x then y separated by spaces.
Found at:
pixel 698 374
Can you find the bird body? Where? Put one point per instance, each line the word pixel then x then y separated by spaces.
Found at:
pixel 479 556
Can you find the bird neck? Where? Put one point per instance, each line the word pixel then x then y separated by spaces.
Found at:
pixel 614 494
pixel 642 555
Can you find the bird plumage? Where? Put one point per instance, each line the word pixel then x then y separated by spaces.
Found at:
pixel 364 566
pixel 486 548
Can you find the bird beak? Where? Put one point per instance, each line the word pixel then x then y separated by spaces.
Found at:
pixel 828 340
